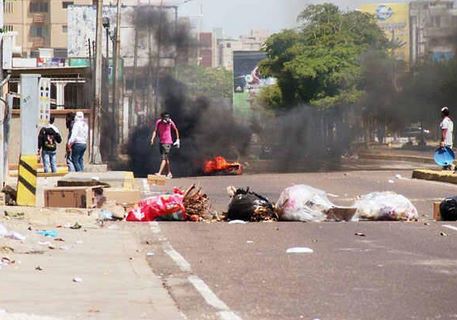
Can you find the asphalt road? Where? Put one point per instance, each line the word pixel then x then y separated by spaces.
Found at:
pixel 242 271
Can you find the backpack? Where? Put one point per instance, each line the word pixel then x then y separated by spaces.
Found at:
pixel 50 139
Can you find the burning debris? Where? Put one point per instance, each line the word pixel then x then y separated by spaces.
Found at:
pixel 250 206
pixel 220 166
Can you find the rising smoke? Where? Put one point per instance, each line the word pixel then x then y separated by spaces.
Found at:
pixel 303 139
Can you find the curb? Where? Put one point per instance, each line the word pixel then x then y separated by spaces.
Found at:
pixel 418 159
pixel 433 175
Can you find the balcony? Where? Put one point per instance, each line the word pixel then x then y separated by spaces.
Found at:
pixel 38 42
pixel 39 17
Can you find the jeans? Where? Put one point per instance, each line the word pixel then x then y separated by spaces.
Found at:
pixel 77 156
pixel 49 161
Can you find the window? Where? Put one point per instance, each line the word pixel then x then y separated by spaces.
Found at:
pixel 229 45
pixel 65 29
pixel 8 6
pixel 38 31
pixel 65 4
pixel 39 7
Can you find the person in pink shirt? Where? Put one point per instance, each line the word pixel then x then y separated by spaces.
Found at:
pixel 163 130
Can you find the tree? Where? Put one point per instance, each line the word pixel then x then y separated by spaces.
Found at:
pixel 208 82
pixel 318 63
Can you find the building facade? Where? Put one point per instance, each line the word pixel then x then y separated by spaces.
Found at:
pixel 433 30
pixel 39 24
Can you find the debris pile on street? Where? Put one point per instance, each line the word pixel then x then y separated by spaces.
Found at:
pixel 303 203
pixel 385 206
pixel 197 204
pixel 191 205
pixel 249 206
pixel 162 207
pixel 220 166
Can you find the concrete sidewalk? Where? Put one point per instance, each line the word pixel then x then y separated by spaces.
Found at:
pixel 116 281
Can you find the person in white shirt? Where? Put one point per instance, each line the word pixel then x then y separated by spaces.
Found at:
pixel 78 141
pixel 447 129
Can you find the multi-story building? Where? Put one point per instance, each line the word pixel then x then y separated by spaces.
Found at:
pixel 254 41
pixel 39 24
pixel 433 30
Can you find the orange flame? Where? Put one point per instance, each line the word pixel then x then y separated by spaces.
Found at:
pixel 220 165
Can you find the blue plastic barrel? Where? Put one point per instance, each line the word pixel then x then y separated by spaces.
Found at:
pixel 444 156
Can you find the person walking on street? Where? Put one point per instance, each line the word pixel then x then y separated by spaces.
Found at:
pixel 447 131
pixel 69 121
pixel 163 128
pixel 48 138
pixel 78 141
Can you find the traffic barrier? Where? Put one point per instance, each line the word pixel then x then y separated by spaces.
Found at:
pixel 27 180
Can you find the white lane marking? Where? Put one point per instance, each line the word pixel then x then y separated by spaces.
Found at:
pixel 155 228
pixel 209 296
pixel 146 186
pixel 176 257
pixel 228 315
pixel 450 227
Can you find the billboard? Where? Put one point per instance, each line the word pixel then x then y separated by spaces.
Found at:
pixel 247 81
pixel 393 18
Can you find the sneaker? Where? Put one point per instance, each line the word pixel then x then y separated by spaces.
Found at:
pixel 169 175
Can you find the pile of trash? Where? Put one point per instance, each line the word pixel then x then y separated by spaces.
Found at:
pixel 385 206
pixel 249 206
pixel 296 203
pixel 189 205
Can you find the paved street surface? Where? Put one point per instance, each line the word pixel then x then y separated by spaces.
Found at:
pixel 397 271
pixel 238 271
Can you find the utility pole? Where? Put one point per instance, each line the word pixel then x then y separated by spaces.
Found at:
pixel 116 94
pixel 96 157
pixel 158 58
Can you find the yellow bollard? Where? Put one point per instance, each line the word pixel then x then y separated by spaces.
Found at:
pixel 27 181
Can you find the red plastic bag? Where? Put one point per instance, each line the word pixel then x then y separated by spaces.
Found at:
pixel 163 207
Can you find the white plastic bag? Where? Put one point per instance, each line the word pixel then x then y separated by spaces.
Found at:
pixel 4 233
pixel 303 203
pixel 386 206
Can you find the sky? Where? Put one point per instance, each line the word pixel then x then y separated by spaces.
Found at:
pixel 238 17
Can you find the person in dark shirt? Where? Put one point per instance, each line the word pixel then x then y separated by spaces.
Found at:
pixel 48 138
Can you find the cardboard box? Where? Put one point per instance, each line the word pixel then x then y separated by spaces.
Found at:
pixel 69 197
pixel 436 211
pixel 157 180
pixel 122 196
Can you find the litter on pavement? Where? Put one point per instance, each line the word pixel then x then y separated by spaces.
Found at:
pixel 48 233
pixel 385 206
pixel 300 250
pixel 4 233
pixel 448 209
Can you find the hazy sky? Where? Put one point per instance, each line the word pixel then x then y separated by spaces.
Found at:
pixel 237 17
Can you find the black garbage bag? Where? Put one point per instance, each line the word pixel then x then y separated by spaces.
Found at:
pixel 448 209
pixel 250 206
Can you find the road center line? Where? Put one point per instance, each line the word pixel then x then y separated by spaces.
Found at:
pixel 450 227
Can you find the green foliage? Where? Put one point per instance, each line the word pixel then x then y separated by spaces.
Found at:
pixel 270 97
pixel 208 82
pixel 319 63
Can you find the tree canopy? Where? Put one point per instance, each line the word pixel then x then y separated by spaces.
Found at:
pixel 319 63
